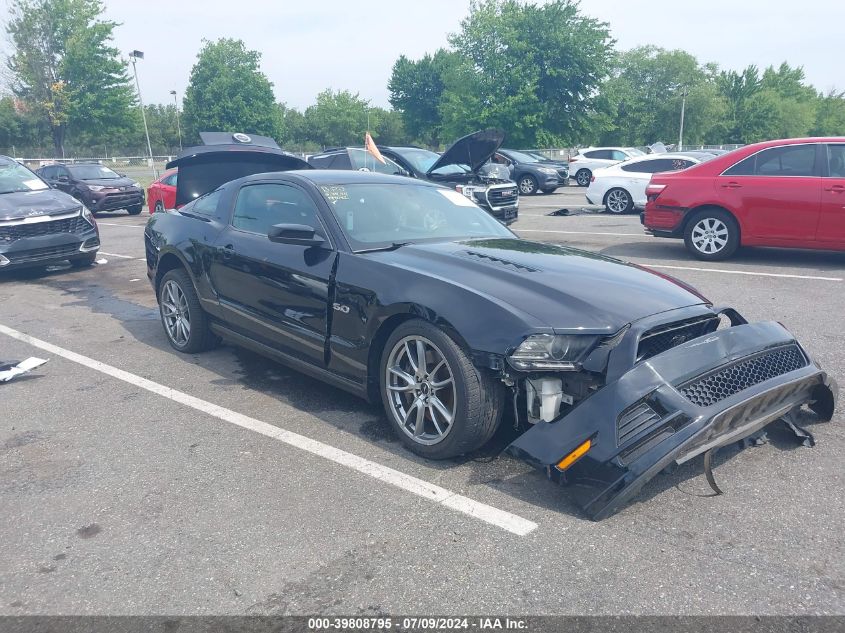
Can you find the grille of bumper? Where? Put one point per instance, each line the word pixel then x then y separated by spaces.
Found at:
pixel 40 254
pixel 66 225
pixel 667 336
pixel 502 197
pixel 632 422
pixel 119 200
pixel 723 383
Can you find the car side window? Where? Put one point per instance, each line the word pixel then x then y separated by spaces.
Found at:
pixel 207 205
pixel 618 155
pixel 171 180
pixel 642 167
pixel 61 171
pixel 836 161
pixel 259 207
pixel 788 160
pixel 594 154
pixel 48 173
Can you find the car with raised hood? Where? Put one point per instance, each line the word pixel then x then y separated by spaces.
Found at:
pixel 96 186
pixel 408 294
pixel 465 167
pixel 40 226
pixel 530 173
pixel 786 193
pixel 621 187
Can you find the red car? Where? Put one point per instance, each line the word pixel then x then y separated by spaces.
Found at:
pixel 162 193
pixel 788 193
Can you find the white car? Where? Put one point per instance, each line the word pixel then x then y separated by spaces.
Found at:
pixel 589 159
pixel 621 187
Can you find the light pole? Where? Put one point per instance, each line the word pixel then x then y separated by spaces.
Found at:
pixel 178 127
pixel 135 56
pixel 684 92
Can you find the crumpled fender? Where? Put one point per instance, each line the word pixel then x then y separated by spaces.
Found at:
pixel 641 423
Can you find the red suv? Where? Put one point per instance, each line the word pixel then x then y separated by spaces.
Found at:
pixel 788 193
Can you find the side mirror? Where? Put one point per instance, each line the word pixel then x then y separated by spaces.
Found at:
pixel 295 234
pixel 63 178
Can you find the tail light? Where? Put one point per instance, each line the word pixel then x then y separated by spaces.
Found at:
pixel 592 178
pixel 653 190
pixel 572 159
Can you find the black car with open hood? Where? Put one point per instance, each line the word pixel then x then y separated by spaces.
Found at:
pixel 40 226
pixel 463 167
pixel 408 294
pixel 225 156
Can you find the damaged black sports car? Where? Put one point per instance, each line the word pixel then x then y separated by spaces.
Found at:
pixel 407 293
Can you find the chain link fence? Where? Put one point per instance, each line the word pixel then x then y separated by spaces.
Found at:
pixel 140 168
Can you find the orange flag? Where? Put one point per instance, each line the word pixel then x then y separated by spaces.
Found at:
pixel 370 146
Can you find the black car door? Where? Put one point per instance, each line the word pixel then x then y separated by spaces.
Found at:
pixel 63 179
pixel 277 294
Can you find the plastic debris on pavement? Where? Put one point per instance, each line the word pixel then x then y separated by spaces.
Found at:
pixel 16 368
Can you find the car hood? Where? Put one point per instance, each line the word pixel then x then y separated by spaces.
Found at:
pixel 112 183
pixel 568 289
pixel 473 150
pixel 24 204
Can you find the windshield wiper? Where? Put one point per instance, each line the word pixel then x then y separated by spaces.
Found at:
pixel 392 247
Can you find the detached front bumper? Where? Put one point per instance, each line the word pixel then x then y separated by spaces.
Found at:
pixel 704 394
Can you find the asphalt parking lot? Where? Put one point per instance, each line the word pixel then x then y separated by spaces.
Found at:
pixel 268 492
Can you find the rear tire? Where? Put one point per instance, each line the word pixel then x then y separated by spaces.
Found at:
pixel 549 190
pixel 712 235
pixel 469 401
pixel 527 185
pixel 583 176
pixel 135 209
pixel 159 207
pixel 185 322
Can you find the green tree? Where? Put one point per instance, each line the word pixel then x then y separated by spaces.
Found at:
pixel 830 115
pixel 228 92
pixel 530 69
pixel 647 92
pixel 416 91
pixel 337 119
pixel 62 63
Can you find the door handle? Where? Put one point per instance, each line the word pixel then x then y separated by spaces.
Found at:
pixel 731 185
pixel 836 188
pixel 228 251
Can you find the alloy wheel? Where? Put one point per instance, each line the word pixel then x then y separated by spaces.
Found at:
pixel 527 186
pixel 421 390
pixel 583 178
pixel 175 313
pixel 618 201
pixel 159 208
pixel 710 235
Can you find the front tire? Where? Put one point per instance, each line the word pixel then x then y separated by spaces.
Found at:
pixel 135 209
pixel 437 401
pixel 549 190
pixel 159 208
pixel 618 201
pixel 185 322
pixel 527 185
pixel 583 176
pixel 712 235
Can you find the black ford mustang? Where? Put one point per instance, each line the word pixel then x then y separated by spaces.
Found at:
pixel 406 292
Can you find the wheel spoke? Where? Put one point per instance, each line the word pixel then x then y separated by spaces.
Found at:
pixel 421 362
pixel 411 358
pixel 441 408
pixel 441 383
pixel 434 419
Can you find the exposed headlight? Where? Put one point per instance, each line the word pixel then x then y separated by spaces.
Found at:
pixel 551 351
pixel 136 184
pixel 96 187
pixel 547 170
pixel 87 215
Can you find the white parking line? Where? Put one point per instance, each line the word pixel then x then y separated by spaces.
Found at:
pixel 134 226
pixel 518 230
pixel 743 272
pixel 481 511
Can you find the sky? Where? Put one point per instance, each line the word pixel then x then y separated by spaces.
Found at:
pixel 308 46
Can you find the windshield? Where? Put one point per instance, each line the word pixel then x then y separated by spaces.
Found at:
pixel 540 158
pixel 633 151
pixel 14 177
pixel 93 172
pixel 376 215
pixel 423 159
pixel 364 161
pixel 522 157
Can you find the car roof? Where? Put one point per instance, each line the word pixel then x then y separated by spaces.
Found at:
pixel 341 177
pixel 672 155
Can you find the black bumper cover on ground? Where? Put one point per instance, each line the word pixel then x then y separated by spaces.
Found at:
pixel 675 406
